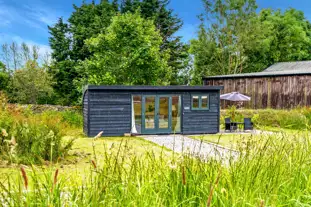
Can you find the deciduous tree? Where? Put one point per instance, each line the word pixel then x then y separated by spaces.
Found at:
pixel 31 84
pixel 128 53
pixel 168 24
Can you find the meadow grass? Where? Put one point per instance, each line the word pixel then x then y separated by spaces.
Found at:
pixel 274 171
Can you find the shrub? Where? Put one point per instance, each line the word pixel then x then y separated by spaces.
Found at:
pixel 31 138
pixel 71 118
pixel 299 118
pixel 39 142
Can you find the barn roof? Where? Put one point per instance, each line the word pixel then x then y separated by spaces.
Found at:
pixel 278 69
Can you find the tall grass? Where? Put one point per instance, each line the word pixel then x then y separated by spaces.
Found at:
pixel 274 170
pixel 29 138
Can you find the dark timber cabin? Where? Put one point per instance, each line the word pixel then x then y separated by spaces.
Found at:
pixel 119 110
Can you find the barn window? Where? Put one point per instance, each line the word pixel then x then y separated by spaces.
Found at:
pixel 200 102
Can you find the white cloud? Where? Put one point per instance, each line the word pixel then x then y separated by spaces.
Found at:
pixel 36 16
pixel 42 14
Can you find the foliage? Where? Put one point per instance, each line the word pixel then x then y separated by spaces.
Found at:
pixel 33 138
pixel 88 21
pixel 4 80
pixel 271 170
pixel 220 49
pixel 31 84
pixel 128 54
pixel 299 119
pixel 67 41
pixel 168 25
pixel 73 119
pixel 240 40
pixel 63 73
pixel 288 34
pixel 2 67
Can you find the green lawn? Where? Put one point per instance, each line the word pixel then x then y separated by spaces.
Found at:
pixel 236 141
pixel 87 149
pixel 78 163
pixel 227 140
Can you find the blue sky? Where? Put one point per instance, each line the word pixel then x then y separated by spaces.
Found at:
pixel 27 20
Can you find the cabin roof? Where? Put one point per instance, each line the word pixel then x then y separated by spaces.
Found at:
pixel 154 88
pixel 278 69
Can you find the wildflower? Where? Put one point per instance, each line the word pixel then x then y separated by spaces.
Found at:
pixel 262 203
pixel 24 175
pixel 13 141
pixel 172 165
pixel 4 133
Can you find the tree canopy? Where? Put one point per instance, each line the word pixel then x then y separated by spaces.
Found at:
pixel 239 39
pixel 128 54
pixel 136 42
pixel 31 84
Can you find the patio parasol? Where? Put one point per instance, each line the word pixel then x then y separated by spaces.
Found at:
pixel 235 96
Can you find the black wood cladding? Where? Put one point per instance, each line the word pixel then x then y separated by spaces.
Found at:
pixel 111 112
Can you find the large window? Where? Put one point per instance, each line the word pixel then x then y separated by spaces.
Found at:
pixel 200 102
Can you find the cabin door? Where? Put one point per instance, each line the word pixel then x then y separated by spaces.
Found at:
pixel 156 114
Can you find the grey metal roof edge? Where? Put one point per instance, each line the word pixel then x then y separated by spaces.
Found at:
pixel 153 88
pixel 254 75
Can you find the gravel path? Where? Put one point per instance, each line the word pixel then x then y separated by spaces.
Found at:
pixel 183 144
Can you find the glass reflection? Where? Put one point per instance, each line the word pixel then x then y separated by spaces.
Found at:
pixel 176 113
pixel 150 112
pixel 163 112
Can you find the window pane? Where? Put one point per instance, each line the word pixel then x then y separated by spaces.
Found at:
pixel 150 112
pixel 195 102
pixel 163 112
pixel 204 102
pixel 137 113
pixel 176 111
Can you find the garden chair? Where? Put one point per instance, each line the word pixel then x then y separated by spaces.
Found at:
pixel 230 125
pixel 248 124
pixel 227 124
